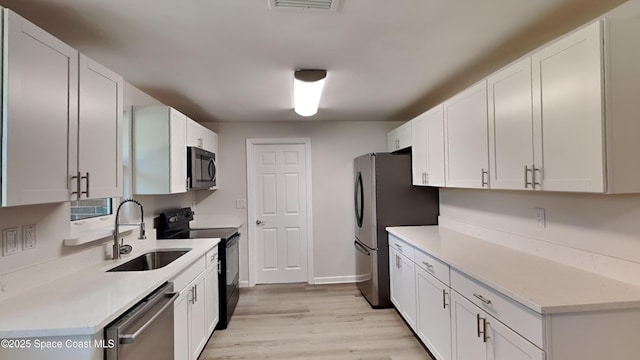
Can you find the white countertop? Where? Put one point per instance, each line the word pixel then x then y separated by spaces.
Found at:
pixel 542 285
pixel 85 302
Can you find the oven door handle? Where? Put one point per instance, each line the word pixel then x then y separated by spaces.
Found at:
pixel 130 338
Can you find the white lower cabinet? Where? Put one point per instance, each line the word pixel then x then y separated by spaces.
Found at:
pixel 194 319
pixel 434 314
pixel 477 335
pixel 211 286
pixel 403 280
pixel 181 326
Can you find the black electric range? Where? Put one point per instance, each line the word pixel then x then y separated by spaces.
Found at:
pixel 174 224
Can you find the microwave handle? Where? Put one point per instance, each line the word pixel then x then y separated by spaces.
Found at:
pixel 211 169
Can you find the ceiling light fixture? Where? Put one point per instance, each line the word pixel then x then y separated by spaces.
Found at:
pixel 307 88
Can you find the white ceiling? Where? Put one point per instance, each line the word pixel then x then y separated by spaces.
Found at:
pixel 233 60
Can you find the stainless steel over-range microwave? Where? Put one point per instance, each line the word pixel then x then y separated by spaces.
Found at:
pixel 201 168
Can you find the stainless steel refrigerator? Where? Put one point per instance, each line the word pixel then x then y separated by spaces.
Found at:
pixel 384 196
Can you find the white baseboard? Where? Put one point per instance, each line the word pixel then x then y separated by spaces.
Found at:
pixel 335 279
pixel 618 269
pixel 243 284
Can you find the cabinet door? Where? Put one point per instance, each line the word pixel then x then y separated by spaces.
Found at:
pixel 393 140
pixel 467 343
pixel 210 141
pixel 504 344
pixel 435 146
pixel 178 151
pixel 568 113
pixel 434 316
pixel 419 149
pixel 395 279
pixel 181 326
pixel 194 136
pixel 99 129
pixel 404 136
pixel 511 127
pixel 403 286
pixel 212 296
pixel 466 139
pixel 197 316
pixel 40 106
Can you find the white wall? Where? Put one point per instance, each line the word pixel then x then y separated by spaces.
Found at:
pixel 333 147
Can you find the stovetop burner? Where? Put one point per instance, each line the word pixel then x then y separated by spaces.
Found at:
pixel 174 224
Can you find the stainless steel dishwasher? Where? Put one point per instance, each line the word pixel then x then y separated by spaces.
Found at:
pixel 146 330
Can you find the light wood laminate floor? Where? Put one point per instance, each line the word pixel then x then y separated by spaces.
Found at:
pixel 300 321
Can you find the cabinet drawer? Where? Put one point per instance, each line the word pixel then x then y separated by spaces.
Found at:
pixel 433 266
pixel 401 247
pixel 183 279
pixel 211 256
pixel 521 319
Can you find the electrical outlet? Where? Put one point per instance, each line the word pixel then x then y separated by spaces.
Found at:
pixel 540 218
pixel 10 241
pixel 28 237
pixel 241 204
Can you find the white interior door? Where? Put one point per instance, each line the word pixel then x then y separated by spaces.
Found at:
pixel 279 213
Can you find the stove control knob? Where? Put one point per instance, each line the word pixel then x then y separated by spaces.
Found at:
pixel 173 219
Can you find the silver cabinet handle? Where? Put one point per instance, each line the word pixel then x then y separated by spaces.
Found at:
pixel 482 330
pixel 429 266
pixel 399 247
pixel 77 179
pixel 526 177
pixel 426 178
pixel 484 172
pixel 219 267
pixel 533 171
pixel 482 298
pixel 444 299
pixel 88 182
pixel 186 183
pixel 258 222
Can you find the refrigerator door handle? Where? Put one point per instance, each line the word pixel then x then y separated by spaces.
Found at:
pixel 361 248
pixel 359 200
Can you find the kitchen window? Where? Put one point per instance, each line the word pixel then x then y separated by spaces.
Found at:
pixel 89 215
pixel 91 208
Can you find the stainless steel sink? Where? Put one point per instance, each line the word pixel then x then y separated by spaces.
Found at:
pixel 151 260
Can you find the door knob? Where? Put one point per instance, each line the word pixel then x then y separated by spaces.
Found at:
pixel 258 222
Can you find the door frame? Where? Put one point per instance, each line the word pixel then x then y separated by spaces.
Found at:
pixel 251 196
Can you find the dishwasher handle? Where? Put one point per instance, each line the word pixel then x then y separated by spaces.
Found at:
pixel 130 338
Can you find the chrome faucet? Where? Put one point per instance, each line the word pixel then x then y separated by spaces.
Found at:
pixel 118 246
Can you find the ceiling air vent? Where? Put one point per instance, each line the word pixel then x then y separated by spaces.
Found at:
pixel 304 5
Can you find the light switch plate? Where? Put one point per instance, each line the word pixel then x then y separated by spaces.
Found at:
pixel 10 241
pixel 241 204
pixel 28 237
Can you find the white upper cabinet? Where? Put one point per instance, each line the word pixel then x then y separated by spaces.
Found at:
pixel 399 138
pixel 427 148
pixel 466 138
pixel 99 131
pixel 159 150
pixel 585 110
pixel 40 107
pixel 568 113
pixel 61 120
pixel 201 137
pixel 511 127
